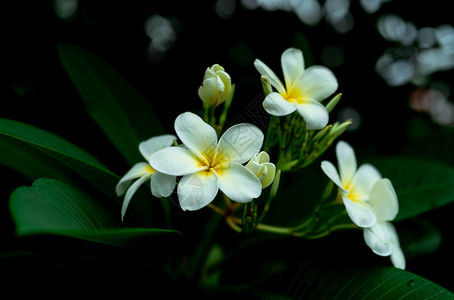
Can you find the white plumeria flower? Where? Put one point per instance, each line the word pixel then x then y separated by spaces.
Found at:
pixel 303 90
pixel 208 165
pixel 355 184
pixel 382 238
pixel 260 165
pixel 162 185
pixel 216 86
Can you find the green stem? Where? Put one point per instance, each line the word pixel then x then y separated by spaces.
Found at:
pixel 225 109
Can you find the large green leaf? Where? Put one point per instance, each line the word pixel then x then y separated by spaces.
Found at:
pixel 125 115
pixel 436 145
pixel 53 207
pixel 36 153
pixel 308 281
pixel 420 185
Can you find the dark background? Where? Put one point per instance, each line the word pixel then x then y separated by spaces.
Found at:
pixel 36 89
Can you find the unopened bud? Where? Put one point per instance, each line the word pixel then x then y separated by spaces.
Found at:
pixel 267 89
pixel 216 86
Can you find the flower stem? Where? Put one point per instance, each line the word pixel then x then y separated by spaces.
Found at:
pixel 225 109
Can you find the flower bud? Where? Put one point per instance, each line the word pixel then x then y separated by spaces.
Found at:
pixel 216 86
pixel 261 167
pixel 267 89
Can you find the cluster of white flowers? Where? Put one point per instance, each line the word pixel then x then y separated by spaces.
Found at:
pixel 203 162
pixel 370 201
pixel 199 163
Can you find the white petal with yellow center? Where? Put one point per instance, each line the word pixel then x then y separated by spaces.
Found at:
pixel 197 190
pixel 137 171
pixel 361 213
pixel 275 104
pixel 364 180
pixel 177 161
pixel 195 134
pixel 238 183
pixel 316 83
pixel 239 143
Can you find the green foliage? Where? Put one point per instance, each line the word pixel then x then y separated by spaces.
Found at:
pixel 35 153
pixel 59 202
pixel 51 206
pixel 125 115
pixel 315 282
pixel 420 185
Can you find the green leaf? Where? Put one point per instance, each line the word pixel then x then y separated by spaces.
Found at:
pixel 36 153
pixel 125 115
pixel 436 145
pixel 420 185
pixel 314 282
pixel 419 237
pixel 53 207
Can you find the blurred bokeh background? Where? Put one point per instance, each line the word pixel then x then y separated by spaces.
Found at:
pixel 393 59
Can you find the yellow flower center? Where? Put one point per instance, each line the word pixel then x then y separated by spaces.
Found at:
pixel 293 95
pixel 352 195
pixel 150 169
pixel 214 161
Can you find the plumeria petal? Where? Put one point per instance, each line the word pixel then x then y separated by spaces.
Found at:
pixel 262 157
pixel 131 191
pixel 292 62
pixel 377 239
pixel 346 160
pixel 162 185
pixel 196 135
pixel 238 183
pixel 276 105
pixel 264 70
pixel 271 173
pixel 383 199
pixel 397 257
pixel 227 82
pixel 197 190
pixel 138 170
pixel 256 168
pixel 239 143
pixel 316 83
pixel 156 143
pixel 362 214
pixel 331 172
pixel 314 113
pixel 211 90
pixel 177 161
pixel 363 181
